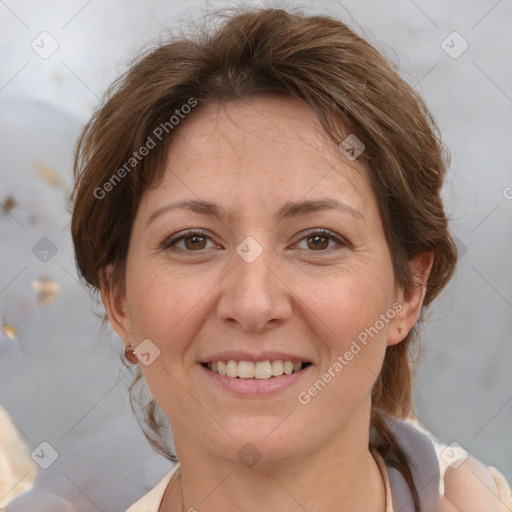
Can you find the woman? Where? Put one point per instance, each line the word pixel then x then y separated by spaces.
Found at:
pixel 259 206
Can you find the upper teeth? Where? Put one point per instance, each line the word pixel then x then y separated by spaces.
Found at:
pixel 250 370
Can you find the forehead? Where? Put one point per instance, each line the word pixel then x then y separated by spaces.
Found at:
pixel 260 148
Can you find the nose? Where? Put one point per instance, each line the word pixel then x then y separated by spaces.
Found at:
pixel 255 296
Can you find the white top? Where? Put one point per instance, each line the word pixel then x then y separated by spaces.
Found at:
pixel 152 500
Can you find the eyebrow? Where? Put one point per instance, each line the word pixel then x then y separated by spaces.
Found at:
pixel 288 210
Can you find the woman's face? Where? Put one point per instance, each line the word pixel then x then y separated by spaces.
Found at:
pixel 256 280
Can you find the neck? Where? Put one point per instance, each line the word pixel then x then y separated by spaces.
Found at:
pixel 338 476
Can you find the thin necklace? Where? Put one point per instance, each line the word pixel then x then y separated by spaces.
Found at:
pixel 169 491
pixel 182 506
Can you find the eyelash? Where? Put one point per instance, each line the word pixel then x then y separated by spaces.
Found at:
pixel 169 242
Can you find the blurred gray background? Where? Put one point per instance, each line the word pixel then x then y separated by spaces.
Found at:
pixel 61 379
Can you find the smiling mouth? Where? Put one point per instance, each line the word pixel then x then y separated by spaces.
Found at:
pixel 261 370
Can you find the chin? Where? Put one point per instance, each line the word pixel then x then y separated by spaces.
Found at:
pixel 256 442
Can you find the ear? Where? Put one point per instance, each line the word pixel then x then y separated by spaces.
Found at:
pixel 115 306
pixel 412 300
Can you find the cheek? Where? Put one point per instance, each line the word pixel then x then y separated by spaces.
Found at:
pixel 350 301
pixel 353 311
pixel 170 307
pixel 160 298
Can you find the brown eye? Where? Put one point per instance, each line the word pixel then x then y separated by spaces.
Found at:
pixel 319 240
pixel 192 241
pixel 196 241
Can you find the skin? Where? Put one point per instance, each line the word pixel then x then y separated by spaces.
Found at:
pixel 251 157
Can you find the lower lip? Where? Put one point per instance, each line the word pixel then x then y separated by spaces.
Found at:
pixel 255 387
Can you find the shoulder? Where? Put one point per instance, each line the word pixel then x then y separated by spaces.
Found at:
pixel 472 486
pixel 504 491
pixel 151 501
pixel 448 479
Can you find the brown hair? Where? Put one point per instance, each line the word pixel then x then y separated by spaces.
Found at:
pixel 352 88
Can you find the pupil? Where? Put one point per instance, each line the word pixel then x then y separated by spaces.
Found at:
pixel 194 244
pixel 316 238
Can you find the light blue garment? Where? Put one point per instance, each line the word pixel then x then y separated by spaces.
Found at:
pixel 424 464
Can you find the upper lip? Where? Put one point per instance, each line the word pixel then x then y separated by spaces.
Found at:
pixel 240 355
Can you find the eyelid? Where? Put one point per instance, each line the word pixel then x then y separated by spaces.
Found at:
pixel 177 237
pixel 322 231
